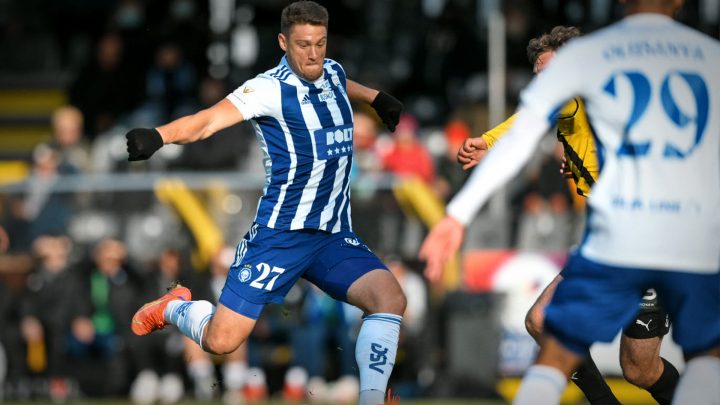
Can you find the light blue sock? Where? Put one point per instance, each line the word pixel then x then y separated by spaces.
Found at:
pixel 190 317
pixel 541 385
pixel 375 354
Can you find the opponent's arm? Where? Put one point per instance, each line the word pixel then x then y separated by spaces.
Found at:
pixel 474 149
pixel 505 161
pixel 388 108
pixel 143 142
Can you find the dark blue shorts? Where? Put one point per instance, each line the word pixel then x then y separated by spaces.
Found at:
pixel 268 262
pixel 594 301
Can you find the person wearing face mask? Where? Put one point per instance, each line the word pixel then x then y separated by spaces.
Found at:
pixel 303 119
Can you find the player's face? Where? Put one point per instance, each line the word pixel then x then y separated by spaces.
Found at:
pixel 305 47
pixel 542 61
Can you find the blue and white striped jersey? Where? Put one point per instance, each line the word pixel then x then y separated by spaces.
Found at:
pixel 306 134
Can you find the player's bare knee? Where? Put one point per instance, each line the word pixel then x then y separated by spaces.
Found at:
pixel 397 304
pixel 534 323
pixel 220 344
pixel 392 303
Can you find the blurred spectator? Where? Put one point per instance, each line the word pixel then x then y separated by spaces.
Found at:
pixel 364 177
pixel 365 154
pixel 411 351
pixel 407 156
pixel 47 310
pixel 228 148
pixel 101 345
pixel 101 89
pixel 200 364
pixel 67 140
pixel 170 86
pixel 545 222
pixel 40 211
pixel 322 339
pixel 450 175
pixel 160 358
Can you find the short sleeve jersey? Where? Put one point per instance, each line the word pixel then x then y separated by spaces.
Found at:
pixel 305 130
pixel 651 88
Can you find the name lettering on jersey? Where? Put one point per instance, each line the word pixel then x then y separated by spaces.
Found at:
pixel 334 142
pixel 637 204
pixel 640 49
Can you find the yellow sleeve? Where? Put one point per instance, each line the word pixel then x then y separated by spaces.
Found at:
pixel 492 135
pixel 575 133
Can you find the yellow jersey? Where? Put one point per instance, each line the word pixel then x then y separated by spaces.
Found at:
pixel 573 131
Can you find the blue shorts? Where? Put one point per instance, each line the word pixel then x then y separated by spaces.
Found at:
pixel 594 301
pixel 268 262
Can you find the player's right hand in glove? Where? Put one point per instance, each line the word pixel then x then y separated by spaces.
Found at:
pixel 471 152
pixel 388 108
pixel 142 143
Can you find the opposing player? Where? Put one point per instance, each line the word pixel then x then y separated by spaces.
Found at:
pixel 302 117
pixel 640 342
pixel 651 88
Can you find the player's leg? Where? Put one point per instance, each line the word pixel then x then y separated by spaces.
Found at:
pixel 347 270
pixel 379 295
pixel 547 378
pixel 642 366
pixel 693 303
pixel 587 376
pixel 640 351
pixel 699 382
pixel 536 314
pixel 591 304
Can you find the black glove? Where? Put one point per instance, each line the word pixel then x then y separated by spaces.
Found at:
pixel 388 108
pixel 142 143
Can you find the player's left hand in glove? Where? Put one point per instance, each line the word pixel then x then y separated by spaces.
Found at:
pixel 388 108
pixel 142 143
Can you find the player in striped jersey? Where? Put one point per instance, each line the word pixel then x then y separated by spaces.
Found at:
pixel 302 117
pixel 640 343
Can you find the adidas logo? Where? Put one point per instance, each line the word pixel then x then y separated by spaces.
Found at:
pixel 306 100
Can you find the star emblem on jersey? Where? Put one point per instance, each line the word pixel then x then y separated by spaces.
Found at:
pixel 247 89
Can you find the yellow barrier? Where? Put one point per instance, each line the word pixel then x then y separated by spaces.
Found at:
pixel 417 199
pixel 625 392
pixel 208 236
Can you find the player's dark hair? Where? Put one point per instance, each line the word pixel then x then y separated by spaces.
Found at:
pixel 557 37
pixel 303 12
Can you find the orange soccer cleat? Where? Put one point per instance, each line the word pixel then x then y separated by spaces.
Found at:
pixel 150 316
pixel 392 399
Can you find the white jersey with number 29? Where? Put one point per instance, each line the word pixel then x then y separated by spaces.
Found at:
pixel 651 87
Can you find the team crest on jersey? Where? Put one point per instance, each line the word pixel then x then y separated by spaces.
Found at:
pixel 244 275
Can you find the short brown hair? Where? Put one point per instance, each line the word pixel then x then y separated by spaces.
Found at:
pixel 303 12
pixel 557 37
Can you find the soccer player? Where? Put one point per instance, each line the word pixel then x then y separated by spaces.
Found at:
pixel 303 120
pixel 651 88
pixel 640 342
